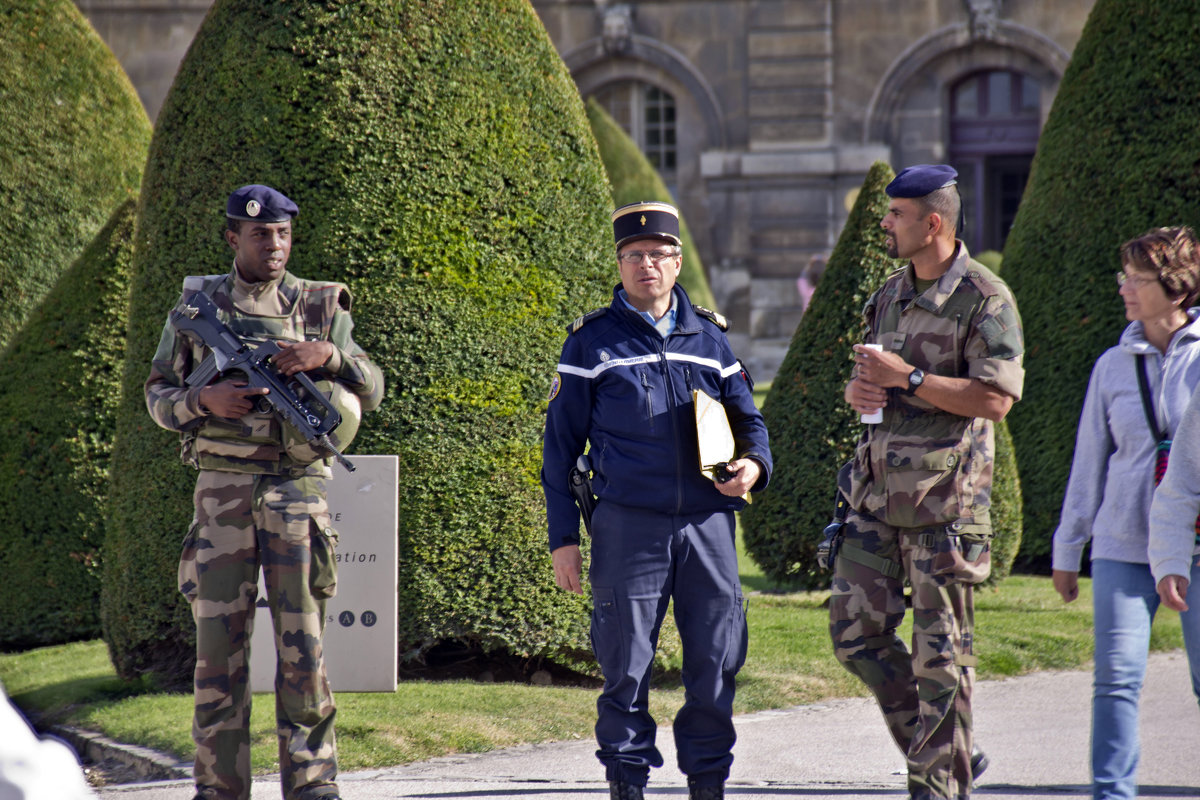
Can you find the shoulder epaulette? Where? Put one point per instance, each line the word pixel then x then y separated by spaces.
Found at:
pixel 712 316
pixel 586 318
pixel 983 277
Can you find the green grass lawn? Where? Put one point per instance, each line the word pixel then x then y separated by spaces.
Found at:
pixel 1022 626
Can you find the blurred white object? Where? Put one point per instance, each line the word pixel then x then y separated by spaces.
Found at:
pixel 33 768
pixel 877 417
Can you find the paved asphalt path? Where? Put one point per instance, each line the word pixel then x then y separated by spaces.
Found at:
pixel 1035 730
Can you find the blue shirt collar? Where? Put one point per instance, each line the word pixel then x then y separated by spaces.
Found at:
pixel 664 326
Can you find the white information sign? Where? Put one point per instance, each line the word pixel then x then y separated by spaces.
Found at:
pixel 360 621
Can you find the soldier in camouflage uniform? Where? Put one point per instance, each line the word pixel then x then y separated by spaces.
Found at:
pixel 920 484
pixel 260 502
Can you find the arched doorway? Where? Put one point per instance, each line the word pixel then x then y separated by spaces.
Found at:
pixel 995 118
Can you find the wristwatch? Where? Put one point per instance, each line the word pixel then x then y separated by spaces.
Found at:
pixel 915 379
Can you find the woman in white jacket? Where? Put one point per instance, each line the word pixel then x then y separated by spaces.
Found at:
pixel 1125 418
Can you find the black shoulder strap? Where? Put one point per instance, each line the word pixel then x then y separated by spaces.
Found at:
pixel 1147 402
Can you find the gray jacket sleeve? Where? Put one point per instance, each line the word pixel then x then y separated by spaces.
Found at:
pixel 1085 486
pixel 1177 501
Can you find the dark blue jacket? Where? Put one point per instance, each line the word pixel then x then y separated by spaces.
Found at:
pixel 627 390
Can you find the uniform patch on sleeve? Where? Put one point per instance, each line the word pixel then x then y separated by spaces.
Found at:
pixel 1002 333
pixel 555 385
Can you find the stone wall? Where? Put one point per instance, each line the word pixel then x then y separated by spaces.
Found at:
pixel 806 95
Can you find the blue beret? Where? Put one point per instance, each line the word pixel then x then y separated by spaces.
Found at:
pixel 920 180
pixel 257 203
pixel 644 221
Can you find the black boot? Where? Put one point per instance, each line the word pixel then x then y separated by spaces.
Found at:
pixel 714 792
pixel 979 762
pixel 619 790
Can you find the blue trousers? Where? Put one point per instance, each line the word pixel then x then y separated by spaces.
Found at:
pixel 640 560
pixel 1125 601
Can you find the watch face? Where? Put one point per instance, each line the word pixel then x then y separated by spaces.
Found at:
pixel 916 378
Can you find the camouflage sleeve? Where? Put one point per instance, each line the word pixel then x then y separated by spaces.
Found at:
pixel 995 345
pixel 170 402
pixel 351 365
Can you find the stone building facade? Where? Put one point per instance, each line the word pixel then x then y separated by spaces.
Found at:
pixel 764 115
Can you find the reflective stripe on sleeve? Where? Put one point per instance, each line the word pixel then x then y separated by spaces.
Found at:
pixel 711 363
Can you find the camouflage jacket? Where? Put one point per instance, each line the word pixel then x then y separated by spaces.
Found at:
pixel 254 444
pixel 921 465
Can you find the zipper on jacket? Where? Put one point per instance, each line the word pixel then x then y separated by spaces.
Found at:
pixel 649 397
pixel 673 403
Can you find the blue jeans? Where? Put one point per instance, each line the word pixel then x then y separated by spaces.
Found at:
pixel 1125 602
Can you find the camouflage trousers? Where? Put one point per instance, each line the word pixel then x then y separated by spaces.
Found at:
pixel 925 694
pixel 281 524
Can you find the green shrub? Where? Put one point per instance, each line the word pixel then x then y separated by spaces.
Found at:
pixel 73 139
pixel 444 169
pixel 60 387
pixel 1008 527
pixel 991 259
pixel 1116 158
pixel 633 179
pixel 814 431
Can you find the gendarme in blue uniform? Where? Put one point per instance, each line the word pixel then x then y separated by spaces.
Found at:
pixel 628 390
pixel 661 530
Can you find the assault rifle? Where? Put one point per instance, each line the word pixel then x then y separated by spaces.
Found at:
pixel 295 399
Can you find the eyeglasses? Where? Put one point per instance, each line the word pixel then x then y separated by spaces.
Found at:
pixel 636 256
pixel 1136 282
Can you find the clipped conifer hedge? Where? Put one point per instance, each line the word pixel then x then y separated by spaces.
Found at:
pixel 73 138
pixel 633 179
pixel 60 385
pixel 814 431
pixel 444 170
pixel 1116 158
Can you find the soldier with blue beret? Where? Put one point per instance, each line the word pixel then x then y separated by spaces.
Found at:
pixel 662 529
pixel 947 369
pixel 260 500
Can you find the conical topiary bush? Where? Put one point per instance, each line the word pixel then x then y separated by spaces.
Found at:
pixel 1116 158
pixel 633 179
pixel 73 138
pixel 813 431
pixel 60 385
pixel 444 169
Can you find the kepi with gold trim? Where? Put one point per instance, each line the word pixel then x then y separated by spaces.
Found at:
pixel 646 220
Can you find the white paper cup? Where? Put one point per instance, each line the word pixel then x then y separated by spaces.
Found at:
pixel 877 417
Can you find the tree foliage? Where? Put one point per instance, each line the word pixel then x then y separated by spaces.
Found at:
pixel 444 170
pixel 60 385
pixel 73 138
pixel 633 179
pixel 1116 158
pixel 813 431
